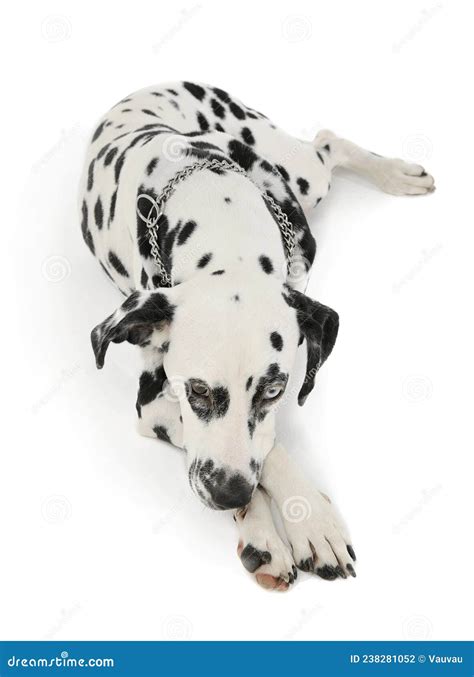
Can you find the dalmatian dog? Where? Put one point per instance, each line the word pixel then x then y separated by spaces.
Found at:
pixel 218 317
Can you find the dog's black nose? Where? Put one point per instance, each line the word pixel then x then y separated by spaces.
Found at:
pixel 235 492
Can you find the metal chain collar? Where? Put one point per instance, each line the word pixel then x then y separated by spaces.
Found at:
pixel 158 207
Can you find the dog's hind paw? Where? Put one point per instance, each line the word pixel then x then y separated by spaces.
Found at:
pixel 398 177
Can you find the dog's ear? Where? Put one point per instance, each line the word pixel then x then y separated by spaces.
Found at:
pixel 134 321
pixel 318 325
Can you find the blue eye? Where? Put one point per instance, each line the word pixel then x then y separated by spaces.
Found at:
pixel 273 391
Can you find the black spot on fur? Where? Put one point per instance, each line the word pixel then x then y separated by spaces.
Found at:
pixel 237 111
pixel 252 559
pixel 99 213
pixel 149 387
pixel 303 185
pixel 236 298
pixel 86 234
pixel 161 433
pixel 242 154
pixel 103 151
pixel 202 121
pixel 186 231
pixel 211 407
pixel 276 340
pixel 119 166
pixel 131 303
pixel 248 385
pixel 196 90
pixel 116 263
pixel 90 175
pixel 219 127
pixel 149 112
pixel 173 92
pixel 113 201
pixel 204 260
pixel 267 265
pixel 261 406
pixel 110 156
pixel 320 156
pixel 227 200
pixel 218 272
pixel 144 278
pixel 328 572
pixel 99 131
pixel 151 166
pixel 283 172
pixel 221 94
pixel 218 108
pixel 247 136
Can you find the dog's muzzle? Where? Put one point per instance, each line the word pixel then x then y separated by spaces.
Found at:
pixel 220 488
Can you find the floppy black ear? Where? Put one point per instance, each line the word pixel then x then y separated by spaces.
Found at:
pixel 318 325
pixel 134 322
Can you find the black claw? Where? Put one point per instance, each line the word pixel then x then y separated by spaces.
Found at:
pixel 423 173
pixel 351 552
pixel 327 572
pixel 341 571
pixel 252 558
pixel 291 578
pixel 306 564
pixel 350 569
pixel 295 572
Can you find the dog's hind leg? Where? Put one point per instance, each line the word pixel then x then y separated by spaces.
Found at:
pixel 260 548
pixel 391 175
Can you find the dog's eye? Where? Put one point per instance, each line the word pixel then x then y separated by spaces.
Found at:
pixel 200 389
pixel 273 391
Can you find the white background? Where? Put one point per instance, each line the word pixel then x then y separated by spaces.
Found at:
pixel 101 536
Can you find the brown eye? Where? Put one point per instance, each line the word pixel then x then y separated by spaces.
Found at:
pixel 200 389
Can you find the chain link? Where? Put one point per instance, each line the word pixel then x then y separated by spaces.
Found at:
pixel 157 210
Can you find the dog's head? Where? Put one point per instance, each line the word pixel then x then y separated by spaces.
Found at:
pixel 224 346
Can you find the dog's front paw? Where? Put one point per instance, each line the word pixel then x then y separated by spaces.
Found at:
pixel 398 177
pixel 261 550
pixel 318 539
